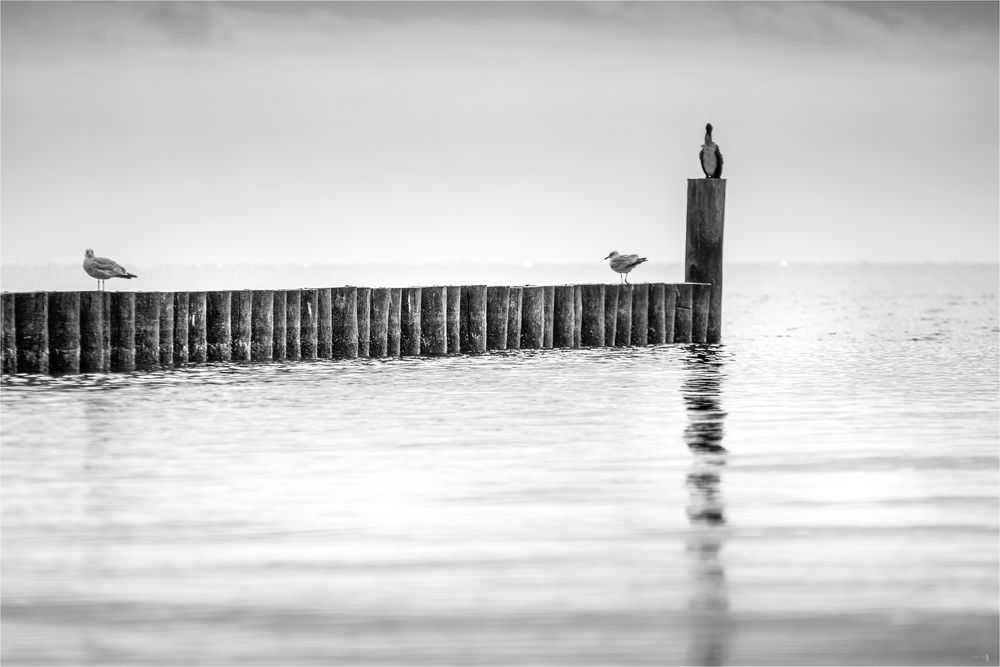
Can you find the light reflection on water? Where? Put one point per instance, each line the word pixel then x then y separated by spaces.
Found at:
pixel 794 500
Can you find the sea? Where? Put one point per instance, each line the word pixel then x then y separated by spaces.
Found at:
pixel 819 489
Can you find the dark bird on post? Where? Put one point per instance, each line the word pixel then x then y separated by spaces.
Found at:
pixel 622 264
pixel 103 268
pixel 710 156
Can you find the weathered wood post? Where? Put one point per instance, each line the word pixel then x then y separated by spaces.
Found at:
pixel 197 327
pixel 610 314
pixel 592 324
pixel 9 334
pixel 308 315
pixel 532 318
pixel 64 332
pixel 682 316
pixel 454 319
pixel 364 321
pixel 92 326
pixel 640 314
pixel 378 339
pixel 262 325
pixel 497 308
pixel 409 334
pixel 219 327
pixel 394 334
pixel 550 304
pixel 31 333
pixel 577 314
pixel 344 336
pixel 669 312
pixel 514 318
pixel 122 331
pixel 166 329
pixel 279 332
pixel 623 325
pixel 434 321
pixel 324 323
pixel 181 328
pixel 106 334
pixel 655 320
pixel 293 324
pixel 706 213
pixel 472 332
pixel 701 298
pixel 241 324
pixel 147 330
pixel 564 316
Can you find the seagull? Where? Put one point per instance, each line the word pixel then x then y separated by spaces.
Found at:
pixel 710 156
pixel 103 268
pixel 624 263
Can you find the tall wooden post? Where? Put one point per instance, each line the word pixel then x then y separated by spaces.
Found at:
pixel 64 332
pixel 706 208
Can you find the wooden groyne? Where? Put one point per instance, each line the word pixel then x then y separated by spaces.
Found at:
pixel 84 332
pixel 87 332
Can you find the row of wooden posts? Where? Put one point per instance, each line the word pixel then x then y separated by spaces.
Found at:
pixel 73 332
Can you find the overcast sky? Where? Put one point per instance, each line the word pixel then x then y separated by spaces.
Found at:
pixel 494 131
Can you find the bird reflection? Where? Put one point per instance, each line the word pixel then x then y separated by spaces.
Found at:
pixel 709 602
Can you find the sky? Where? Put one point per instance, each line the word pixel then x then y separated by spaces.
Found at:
pixel 493 132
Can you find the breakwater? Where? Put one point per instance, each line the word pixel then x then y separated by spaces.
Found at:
pixel 81 332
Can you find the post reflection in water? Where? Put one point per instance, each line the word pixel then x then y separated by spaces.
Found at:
pixel 709 602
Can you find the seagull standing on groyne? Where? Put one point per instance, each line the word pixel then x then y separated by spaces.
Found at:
pixel 624 263
pixel 103 268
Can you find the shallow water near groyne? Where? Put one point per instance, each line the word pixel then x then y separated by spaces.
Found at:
pixel 820 489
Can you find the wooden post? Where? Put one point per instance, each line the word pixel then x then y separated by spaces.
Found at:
pixel 514 318
pixel 701 298
pixel 122 331
pixel 394 334
pixel 106 334
pixel 657 333
pixel 706 213
pixel 364 321
pixel 378 345
pixel 454 319
pixel 344 334
pixel 497 310
pixel 197 327
pixel 669 312
pixel 279 331
pixel 308 315
pixel 64 332
pixel 409 335
pixel 623 327
pixel 640 314
pixel 9 335
pixel 592 324
pixel 31 332
pixel 262 325
pixel 434 321
pixel 324 323
pixel 293 324
pixel 550 304
pixel 92 324
pixel 219 328
pixel 610 314
pixel 682 318
pixel 181 328
pixel 577 315
pixel 472 331
pixel 166 329
pixel 147 330
pixel 564 316
pixel 532 318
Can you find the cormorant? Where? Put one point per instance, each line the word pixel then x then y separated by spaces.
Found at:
pixel 710 156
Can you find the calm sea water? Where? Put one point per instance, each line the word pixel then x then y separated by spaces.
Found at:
pixel 821 489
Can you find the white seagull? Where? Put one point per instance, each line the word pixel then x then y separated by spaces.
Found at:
pixel 624 263
pixel 103 268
